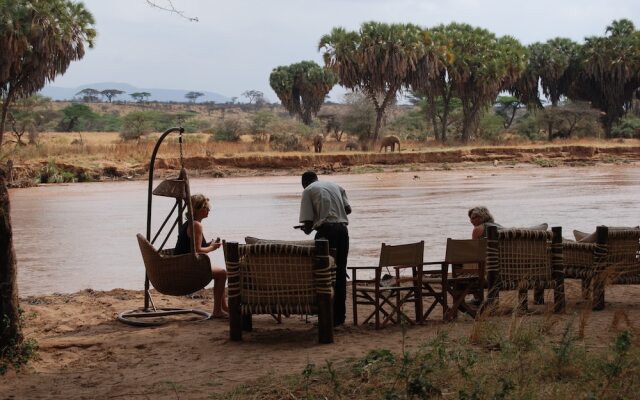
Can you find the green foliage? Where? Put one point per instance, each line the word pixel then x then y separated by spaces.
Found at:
pixel 77 118
pixel 302 87
pixel 410 125
pixel 359 119
pixel 607 74
pixel 628 127
pixel 528 127
pixel 35 49
pixel 227 130
pixel 378 60
pixel 490 126
pixel 260 122
pixel 137 124
pixel 286 142
pixel 50 173
pixel 16 352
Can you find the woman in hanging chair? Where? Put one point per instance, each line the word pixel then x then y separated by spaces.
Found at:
pixel 201 209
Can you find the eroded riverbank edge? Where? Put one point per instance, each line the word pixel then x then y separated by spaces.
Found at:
pixel 31 173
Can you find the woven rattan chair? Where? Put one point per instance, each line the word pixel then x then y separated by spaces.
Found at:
pixel 175 275
pixel 614 258
pixel 523 259
pixel 279 278
pixel 388 296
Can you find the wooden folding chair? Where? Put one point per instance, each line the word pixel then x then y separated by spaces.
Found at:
pixel 388 296
pixel 467 260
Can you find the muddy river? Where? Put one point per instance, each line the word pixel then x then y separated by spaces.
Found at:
pixel 77 236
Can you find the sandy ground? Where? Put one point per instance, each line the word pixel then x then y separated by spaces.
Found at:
pixel 85 353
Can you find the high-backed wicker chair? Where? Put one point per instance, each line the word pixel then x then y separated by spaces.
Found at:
pixel 274 278
pixel 388 296
pixel 523 259
pixel 614 258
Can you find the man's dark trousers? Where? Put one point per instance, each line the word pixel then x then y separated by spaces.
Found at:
pixel 338 236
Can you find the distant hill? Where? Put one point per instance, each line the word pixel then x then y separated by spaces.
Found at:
pixel 177 95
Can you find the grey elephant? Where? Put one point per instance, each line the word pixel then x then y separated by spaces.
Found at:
pixel 389 141
pixel 351 146
pixel 318 140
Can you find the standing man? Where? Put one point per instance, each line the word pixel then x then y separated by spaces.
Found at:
pixel 325 207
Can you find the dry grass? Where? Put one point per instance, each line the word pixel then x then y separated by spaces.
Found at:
pixel 516 357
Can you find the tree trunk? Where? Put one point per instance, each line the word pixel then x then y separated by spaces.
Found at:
pixel 3 118
pixel 431 111
pixel 10 332
pixel 376 130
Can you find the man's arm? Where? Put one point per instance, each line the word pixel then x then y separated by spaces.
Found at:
pixel 347 209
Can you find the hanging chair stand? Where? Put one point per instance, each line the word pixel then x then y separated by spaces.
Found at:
pixel 170 274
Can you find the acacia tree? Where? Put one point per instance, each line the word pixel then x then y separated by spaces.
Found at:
pixel 111 93
pixel 607 72
pixel 39 39
pixel 302 88
pixel 378 60
pixel 254 96
pixel 192 96
pixel 89 95
pixel 140 96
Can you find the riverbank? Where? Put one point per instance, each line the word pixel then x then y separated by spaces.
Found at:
pixel 29 173
pixel 85 353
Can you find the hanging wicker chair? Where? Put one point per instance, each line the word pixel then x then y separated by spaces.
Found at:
pixel 170 274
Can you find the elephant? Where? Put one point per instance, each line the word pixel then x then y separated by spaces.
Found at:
pixel 317 143
pixel 389 141
pixel 351 146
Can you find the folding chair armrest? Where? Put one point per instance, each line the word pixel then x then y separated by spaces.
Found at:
pixel 361 268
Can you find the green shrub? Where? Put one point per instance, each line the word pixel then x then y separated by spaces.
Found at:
pixel 629 127
pixel 227 131
pixel 137 124
pixel 490 126
pixel 286 142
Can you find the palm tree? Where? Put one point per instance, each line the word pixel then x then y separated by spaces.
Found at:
pixel 431 81
pixel 607 72
pixel 39 39
pixel 302 87
pixel 483 65
pixel 33 56
pixel 378 60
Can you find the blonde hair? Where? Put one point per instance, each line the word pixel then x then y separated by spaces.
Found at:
pixel 482 212
pixel 198 202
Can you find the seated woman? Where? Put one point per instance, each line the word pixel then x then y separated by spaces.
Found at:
pixel 201 208
pixel 481 218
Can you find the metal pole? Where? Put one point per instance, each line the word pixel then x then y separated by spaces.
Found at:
pixel 149 198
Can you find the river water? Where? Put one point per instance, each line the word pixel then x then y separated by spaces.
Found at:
pixel 77 236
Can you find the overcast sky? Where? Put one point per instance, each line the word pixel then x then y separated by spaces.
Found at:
pixel 237 43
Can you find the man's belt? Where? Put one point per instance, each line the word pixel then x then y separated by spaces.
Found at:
pixel 332 224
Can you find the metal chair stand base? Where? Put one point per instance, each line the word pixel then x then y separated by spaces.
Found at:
pixel 137 317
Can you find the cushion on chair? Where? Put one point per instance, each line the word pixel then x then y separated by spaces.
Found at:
pixel 584 237
pixel 255 240
pixel 541 227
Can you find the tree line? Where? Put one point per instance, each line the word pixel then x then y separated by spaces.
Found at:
pixel 459 65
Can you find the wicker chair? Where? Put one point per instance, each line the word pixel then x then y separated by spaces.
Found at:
pixel 275 278
pixel 614 258
pixel 523 259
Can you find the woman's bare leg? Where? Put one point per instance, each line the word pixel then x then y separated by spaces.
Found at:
pixel 219 299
